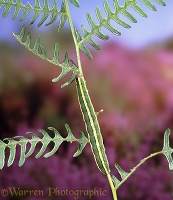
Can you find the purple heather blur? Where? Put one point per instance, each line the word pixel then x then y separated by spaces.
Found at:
pixel 135 89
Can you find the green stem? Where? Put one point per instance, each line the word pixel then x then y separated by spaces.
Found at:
pixel 137 166
pixel 80 70
pixel 112 187
pixel 74 37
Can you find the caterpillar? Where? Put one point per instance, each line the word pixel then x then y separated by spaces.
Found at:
pixel 92 126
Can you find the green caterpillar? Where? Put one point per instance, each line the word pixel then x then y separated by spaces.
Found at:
pixel 92 126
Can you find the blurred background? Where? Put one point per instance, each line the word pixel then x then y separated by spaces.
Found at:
pixel 130 78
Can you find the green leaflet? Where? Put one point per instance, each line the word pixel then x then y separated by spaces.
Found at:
pixel 106 21
pixel 122 173
pixel 39 50
pixel 45 140
pixel 167 150
pixel 36 10
pixel 75 3
pixel 161 2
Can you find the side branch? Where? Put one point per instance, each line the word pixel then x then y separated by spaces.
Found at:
pixel 137 166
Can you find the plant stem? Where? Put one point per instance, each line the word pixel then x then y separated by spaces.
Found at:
pixel 113 189
pixel 81 73
pixel 74 37
pixel 137 166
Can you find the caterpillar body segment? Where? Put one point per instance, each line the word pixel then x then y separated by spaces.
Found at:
pixel 92 126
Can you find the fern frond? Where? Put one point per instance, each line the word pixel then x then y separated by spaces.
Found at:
pixel 45 140
pixel 167 150
pixel 37 9
pixel 106 22
pixel 39 50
